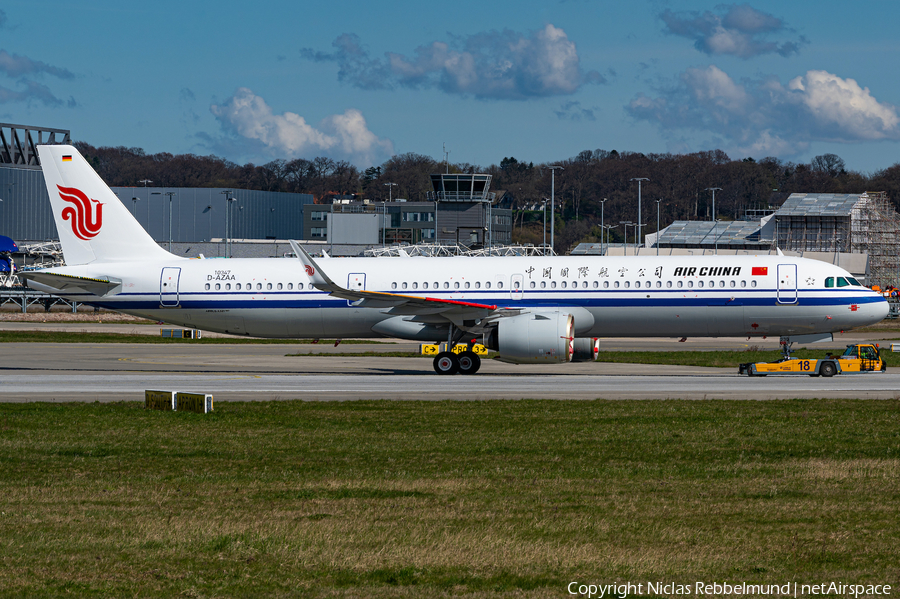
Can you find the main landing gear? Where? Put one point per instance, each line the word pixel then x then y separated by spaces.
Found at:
pixel 465 362
pixel 447 362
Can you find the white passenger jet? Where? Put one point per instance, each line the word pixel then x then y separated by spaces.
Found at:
pixel 529 309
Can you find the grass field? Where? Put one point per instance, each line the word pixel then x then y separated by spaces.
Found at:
pixel 431 499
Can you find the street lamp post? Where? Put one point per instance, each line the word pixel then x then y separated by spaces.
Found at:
pixel 639 179
pixel 625 223
pixel 713 190
pixel 228 199
pixel 608 227
pixel 603 201
pixel 553 201
pixel 390 187
pixel 170 194
pixel 657 225
pixel 544 211
pixel 134 201
pixel 716 233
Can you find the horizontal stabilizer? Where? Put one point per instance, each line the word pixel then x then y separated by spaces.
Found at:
pixel 49 282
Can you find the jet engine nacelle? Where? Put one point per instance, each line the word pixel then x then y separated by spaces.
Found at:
pixel 534 338
pixel 586 349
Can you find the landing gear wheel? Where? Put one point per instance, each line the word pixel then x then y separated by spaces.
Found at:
pixel 828 369
pixel 469 362
pixel 446 363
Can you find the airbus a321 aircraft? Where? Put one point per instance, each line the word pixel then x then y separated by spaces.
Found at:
pixel 529 309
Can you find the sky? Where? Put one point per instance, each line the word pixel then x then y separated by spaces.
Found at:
pixel 538 80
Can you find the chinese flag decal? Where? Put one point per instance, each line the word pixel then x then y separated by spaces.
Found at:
pixel 760 271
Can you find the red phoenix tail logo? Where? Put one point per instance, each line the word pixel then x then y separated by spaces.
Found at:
pixel 86 221
pixel 310 271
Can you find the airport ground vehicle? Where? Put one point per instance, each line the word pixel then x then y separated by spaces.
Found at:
pixel 862 357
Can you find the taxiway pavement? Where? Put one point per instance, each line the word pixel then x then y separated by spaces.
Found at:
pixel 233 372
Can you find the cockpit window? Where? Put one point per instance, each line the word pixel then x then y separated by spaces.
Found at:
pixel 842 282
pixel 854 282
pixel 829 282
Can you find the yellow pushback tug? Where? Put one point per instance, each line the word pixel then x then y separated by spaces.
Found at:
pixel 862 357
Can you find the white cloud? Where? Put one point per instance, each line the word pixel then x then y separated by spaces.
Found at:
pixel 491 65
pixel 843 108
pixel 764 117
pixel 343 136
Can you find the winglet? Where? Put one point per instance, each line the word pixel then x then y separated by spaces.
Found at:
pixel 319 279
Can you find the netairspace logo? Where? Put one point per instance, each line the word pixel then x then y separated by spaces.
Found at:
pixel 790 589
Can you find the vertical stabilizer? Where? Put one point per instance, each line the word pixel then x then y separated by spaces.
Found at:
pixel 93 225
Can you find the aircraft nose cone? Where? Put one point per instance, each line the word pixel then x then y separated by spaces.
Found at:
pixel 876 311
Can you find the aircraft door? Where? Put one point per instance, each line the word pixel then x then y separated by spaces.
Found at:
pixel 787 284
pixel 168 287
pixel 517 286
pixel 356 281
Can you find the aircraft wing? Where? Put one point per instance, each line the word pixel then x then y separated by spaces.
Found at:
pixel 455 311
pixel 56 283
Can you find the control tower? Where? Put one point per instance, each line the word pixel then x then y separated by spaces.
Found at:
pixel 463 204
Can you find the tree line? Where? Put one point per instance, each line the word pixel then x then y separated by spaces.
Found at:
pixel 680 181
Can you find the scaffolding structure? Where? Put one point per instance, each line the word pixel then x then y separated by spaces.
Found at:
pixel 815 222
pixel 452 249
pixel 875 231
